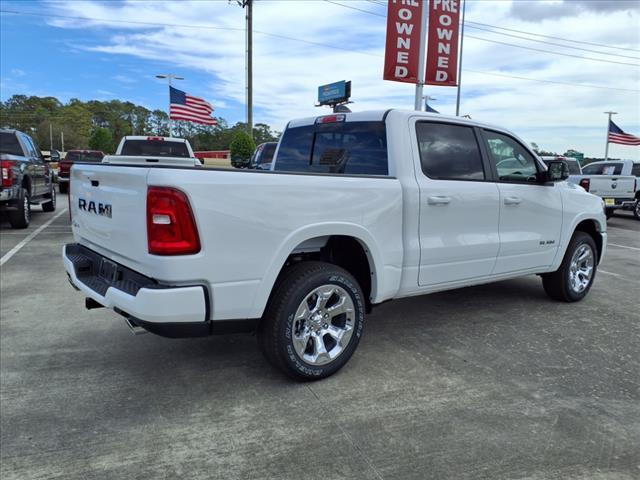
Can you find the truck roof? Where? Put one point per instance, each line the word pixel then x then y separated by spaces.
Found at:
pixel 379 115
pixel 154 137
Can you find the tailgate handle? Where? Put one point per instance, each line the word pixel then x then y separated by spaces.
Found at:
pixel 95 183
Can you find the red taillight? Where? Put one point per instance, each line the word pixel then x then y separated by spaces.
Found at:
pixel 64 166
pixel 584 183
pixel 7 172
pixel 171 228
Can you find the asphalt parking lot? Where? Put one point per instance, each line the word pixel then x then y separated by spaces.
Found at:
pixel 492 382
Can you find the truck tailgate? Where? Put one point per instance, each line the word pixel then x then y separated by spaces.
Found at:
pixel 108 210
pixel 611 186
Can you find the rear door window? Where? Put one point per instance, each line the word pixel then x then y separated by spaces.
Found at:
pixel 635 170
pixel 352 148
pixel 449 152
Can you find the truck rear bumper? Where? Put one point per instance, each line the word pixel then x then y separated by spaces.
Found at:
pixel 166 310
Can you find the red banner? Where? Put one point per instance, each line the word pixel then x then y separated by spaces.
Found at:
pixel 402 53
pixel 442 50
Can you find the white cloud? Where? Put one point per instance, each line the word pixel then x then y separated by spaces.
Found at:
pixel 287 72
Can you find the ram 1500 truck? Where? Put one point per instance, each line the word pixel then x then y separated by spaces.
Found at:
pixel 358 209
pixel 26 178
pixel 615 181
pixel 167 151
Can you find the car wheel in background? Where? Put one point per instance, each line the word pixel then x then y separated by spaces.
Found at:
pixel 313 322
pixel 609 213
pixel 21 217
pixel 573 280
pixel 63 187
pixel 50 206
pixel 636 209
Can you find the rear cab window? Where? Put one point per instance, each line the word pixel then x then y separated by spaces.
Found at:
pixel 341 147
pixel 154 148
pixel 9 144
pixel 84 157
pixel 609 168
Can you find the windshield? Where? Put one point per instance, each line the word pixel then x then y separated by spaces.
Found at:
pixel 9 144
pixel 84 157
pixel 155 148
pixel 604 168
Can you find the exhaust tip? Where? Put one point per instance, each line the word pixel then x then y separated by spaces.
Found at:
pixel 134 327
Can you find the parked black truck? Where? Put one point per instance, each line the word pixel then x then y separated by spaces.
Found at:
pixel 26 178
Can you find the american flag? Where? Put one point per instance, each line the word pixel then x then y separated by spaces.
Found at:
pixel 190 108
pixel 616 135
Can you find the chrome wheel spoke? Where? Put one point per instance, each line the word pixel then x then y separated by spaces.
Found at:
pixel 581 268
pixel 316 340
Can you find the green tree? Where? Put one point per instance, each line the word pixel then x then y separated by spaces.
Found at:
pixel 101 139
pixel 242 147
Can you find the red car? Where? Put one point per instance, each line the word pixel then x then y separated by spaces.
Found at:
pixel 75 156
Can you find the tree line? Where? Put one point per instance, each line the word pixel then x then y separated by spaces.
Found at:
pixel 101 124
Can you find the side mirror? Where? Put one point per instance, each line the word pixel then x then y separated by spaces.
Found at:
pixel 557 171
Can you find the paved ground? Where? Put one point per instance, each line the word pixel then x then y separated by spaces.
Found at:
pixel 489 382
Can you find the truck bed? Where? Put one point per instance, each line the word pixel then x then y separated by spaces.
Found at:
pixel 263 215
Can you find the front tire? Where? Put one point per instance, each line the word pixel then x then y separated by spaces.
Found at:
pixel 636 209
pixel 313 322
pixel 21 217
pixel 573 280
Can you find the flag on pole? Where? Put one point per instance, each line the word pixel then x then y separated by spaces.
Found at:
pixel 616 135
pixel 192 109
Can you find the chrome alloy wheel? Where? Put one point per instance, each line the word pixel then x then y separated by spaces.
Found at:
pixel 581 268
pixel 323 324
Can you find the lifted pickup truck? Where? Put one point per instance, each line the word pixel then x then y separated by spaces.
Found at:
pixel 615 181
pixel 26 178
pixel 358 209
pixel 167 151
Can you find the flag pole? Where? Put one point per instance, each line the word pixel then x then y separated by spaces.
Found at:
pixel 606 148
pixel 464 7
pixel 421 59
pixel 170 77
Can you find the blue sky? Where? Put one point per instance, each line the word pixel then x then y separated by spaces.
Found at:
pixel 103 59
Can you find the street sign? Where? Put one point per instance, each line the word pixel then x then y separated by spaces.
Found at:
pixel 334 93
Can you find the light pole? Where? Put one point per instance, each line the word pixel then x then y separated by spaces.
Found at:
pixel 606 148
pixel 170 77
pixel 248 4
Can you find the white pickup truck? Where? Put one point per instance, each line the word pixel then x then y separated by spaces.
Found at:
pixel 144 150
pixel 617 182
pixel 358 209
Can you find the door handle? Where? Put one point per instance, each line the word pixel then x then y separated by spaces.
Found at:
pixel 438 200
pixel 512 200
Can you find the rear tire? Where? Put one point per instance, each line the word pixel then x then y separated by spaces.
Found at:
pixel 313 322
pixel 63 187
pixel 636 209
pixel 573 280
pixel 21 217
pixel 608 213
pixel 50 206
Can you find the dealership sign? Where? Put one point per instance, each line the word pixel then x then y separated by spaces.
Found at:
pixel 334 93
pixel 442 45
pixel 404 32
